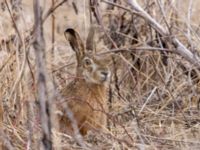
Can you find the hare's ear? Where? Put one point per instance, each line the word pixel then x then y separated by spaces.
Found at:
pixel 76 43
pixel 90 40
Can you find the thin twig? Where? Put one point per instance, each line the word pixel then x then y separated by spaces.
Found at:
pixel 137 49
pixel 14 23
pixel 52 9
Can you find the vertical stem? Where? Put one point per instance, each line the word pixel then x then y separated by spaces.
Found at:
pixel 53 29
pixel 1 122
pixel 53 37
pixel 39 46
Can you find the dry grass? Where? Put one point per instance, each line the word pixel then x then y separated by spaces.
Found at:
pixel 154 92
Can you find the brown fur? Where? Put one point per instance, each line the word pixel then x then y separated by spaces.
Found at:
pixel 86 96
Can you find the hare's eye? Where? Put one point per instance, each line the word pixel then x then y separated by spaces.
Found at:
pixel 88 62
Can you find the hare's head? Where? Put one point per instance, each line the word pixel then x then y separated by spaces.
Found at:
pixel 93 68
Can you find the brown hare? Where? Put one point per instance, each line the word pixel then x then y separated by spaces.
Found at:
pixel 86 95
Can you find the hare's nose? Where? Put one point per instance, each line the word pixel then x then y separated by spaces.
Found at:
pixel 104 73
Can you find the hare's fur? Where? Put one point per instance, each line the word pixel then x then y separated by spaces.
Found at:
pixel 86 95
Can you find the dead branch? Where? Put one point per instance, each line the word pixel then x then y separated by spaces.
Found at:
pixel 180 48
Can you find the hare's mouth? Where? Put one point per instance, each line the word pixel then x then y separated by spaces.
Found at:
pixel 104 78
